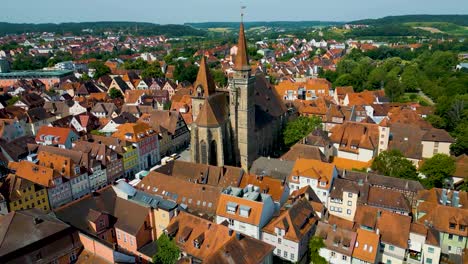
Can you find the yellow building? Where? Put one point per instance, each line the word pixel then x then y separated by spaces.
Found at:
pixel 130 161
pixel 24 194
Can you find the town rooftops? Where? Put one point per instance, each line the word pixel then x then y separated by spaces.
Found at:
pixel 20 229
pixel 245 205
pixel 133 132
pixel 382 181
pixel 352 136
pixel 56 135
pixel 303 151
pixel 126 215
pixel 196 236
pixel 267 185
pixel 296 221
pixel 35 173
pixel 276 168
pixel 203 174
pixel 197 198
pixel 337 238
pixel 128 192
pixel 366 247
pixel 314 169
pixel 388 199
pixel 241 249
pixel 394 228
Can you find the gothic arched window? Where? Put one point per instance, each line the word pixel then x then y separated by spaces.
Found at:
pixel 204 152
pixel 213 153
pixel 199 91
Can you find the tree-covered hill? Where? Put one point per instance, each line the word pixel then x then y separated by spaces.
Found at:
pixel 273 24
pixel 461 20
pixel 98 27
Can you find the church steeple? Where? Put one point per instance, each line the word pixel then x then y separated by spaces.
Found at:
pixel 242 59
pixel 204 85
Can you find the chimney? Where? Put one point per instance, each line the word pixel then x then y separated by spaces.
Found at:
pixel 37 220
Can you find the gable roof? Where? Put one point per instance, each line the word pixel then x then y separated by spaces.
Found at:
pixel 296 220
pixel 241 249
pixel 367 244
pixel 351 136
pixel 394 228
pixel 60 134
pixel 188 229
pixel 214 111
pixel 256 209
pixel 20 229
pixel 196 197
pixel 313 169
pixel 37 174
pixel 129 216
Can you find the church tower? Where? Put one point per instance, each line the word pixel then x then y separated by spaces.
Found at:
pixel 204 87
pixel 242 107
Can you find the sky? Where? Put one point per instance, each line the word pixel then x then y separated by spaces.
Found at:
pixel 182 11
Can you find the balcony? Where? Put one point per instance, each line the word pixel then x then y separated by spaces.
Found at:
pixel 414 257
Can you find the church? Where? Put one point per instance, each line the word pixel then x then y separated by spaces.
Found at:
pixel 235 126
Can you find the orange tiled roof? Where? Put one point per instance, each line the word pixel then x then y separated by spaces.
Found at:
pixel 35 173
pixel 61 164
pixel 297 221
pixel 367 244
pixel 314 169
pixel 255 212
pixel 133 132
pixel 347 164
pixel 268 185
pixel 60 132
pixel 188 229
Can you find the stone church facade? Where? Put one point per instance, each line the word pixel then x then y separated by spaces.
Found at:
pixel 235 127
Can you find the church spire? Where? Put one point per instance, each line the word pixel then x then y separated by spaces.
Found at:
pixel 204 80
pixel 242 60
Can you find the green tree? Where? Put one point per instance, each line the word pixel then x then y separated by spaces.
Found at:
pixel 460 146
pixel 315 244
pixel 183 73
pixel 219 78
pixel 393 88
pixel 12 100
pixel 167 251
pixel 438 169
pixel 138 64
pixel 376 78
pixel 299 128
pixel 436 121
pixel 85 77
pixel 114 93
pixel 100 67
pixel 410 78
pixel 346 79
pixel 393 163
pixel 153 70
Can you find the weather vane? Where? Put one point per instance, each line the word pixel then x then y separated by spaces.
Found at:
pixel 243 7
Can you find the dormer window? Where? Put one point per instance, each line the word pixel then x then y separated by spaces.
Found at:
pixel 244 211
pixel 323 184
pixel 452 226
pixel 231 208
